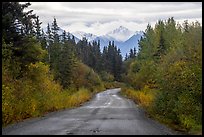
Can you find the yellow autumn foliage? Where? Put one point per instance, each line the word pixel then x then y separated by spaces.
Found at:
pixel 142 97
pixel 35 94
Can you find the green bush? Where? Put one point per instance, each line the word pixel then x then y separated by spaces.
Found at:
pixel 84 76
pixel 170 61
pixel 105 76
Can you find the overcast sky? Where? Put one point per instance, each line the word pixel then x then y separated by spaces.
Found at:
pixel 101 17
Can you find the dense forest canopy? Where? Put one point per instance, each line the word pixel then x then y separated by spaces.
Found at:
pixel 167 72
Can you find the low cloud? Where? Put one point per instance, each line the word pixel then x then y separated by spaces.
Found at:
pixel 101 17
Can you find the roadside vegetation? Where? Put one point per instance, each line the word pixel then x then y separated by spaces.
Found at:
pixel 36 93
pixel 165 76
pixel 43 71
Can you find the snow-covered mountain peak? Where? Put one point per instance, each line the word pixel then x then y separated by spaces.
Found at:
pixel 80 35
pixel 121 33
pixel 121 29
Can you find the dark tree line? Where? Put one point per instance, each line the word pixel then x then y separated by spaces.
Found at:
pixel 63 52
pixel 110 60
pixel 132 54
pixel 23 28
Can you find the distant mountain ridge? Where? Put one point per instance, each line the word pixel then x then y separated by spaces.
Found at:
pixel 123 38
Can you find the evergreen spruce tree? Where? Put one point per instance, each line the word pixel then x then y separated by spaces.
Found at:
pixel 126 57
pixel 55 30
pixel 134 52
pixel 131 54
pixel 38 28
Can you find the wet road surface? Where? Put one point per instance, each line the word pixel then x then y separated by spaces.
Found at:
pixel 107 113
